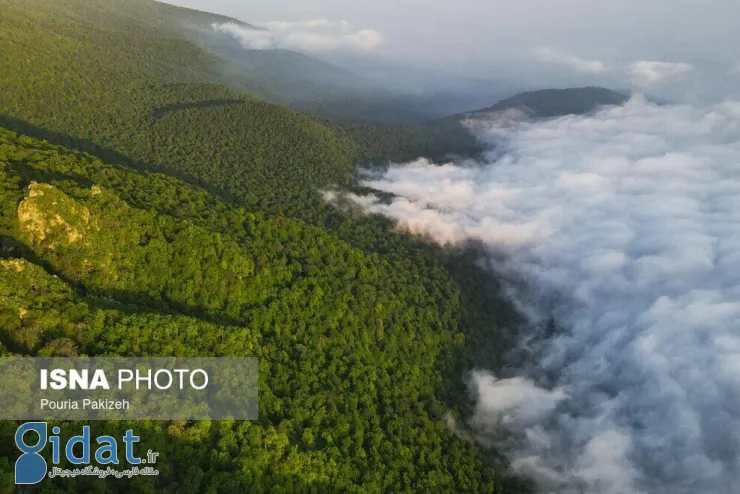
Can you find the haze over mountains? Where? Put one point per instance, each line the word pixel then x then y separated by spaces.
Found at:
pixel 342 85
pixel 367 88
pixel 677 50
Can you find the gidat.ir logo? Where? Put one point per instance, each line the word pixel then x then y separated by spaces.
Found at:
pixel 31 467
pixel 32 437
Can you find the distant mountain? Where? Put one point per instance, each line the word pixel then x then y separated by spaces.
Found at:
pixel 548 103
pixel 449 137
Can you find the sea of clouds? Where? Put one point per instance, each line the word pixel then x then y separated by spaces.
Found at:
pixel 630 220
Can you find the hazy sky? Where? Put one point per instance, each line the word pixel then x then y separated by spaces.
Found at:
pixel 588 41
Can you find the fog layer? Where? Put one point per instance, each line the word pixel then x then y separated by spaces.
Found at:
pixel 630 220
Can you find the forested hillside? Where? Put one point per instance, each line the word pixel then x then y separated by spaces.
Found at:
pixel 347 340
pixel 192 224
pixel 134 93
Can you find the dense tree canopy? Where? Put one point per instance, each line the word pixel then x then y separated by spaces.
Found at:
pixel 346 339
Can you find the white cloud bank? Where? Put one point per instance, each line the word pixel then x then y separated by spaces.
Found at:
pixel 551 55
pixel 648 73
pixel 642 74
pixel 313 36
pixel 632 218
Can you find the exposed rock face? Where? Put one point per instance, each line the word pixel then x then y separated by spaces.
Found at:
pixel 17 265
pixel 48 216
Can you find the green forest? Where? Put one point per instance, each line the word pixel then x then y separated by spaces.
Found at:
pixel 150 206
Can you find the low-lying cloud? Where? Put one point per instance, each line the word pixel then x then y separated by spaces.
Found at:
pixel 551 55
pixel 648 73
pixel 313 36
pixel 642 74
pixel 631 218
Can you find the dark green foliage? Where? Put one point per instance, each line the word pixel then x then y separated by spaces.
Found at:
pixel 438 141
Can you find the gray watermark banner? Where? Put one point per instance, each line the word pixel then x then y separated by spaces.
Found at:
pixel 116 388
